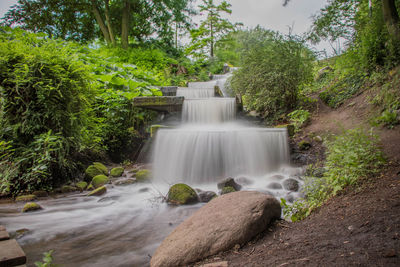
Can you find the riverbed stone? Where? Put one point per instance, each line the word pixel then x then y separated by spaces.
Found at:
pixel 25 198
pixel 31 206
pixel 81 185
pixel 227 190
pixel 40 193
pixel 291 185
pixel 99 180
pixel 243 181
pixel 143 175
pixel 182 194
pixel 275 186
pixel 206 196
pixel 98 191
pixel 304 145
pixel 68 189
pixel 117 172
pixel 229 182
pixel 125 181
pixel 218 226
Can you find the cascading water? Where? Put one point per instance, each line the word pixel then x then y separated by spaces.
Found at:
pixel 127 224
pixel 209 146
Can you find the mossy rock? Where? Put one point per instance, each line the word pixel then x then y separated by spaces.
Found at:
pixel 81 185
pixel 40 193
pixel 31 206
pixel 101 167
pixel 181 194
pixel 143 175
pixel 290 128
pixel 68 189
pixel 304 145
pixel 154 129
pixel 25 198
pixel 98 192
pixel 99 180
pixel 117 172
pixel 90 187
pixel 227 189
pixel 91 172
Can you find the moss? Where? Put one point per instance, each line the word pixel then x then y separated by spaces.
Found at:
pixel 31 206
pixel 68 189
pixel 101 167
pixel 40 193
pixel 81 185
pixel 25 198
pixel 99 180
pixel 98 192
pixel 117 172
pixel 227 189
pixel 143 175
pixel 182 194
pixel 290 128
pixel 90 187
pixel 154 129
pixel 304 145
pixel 91 172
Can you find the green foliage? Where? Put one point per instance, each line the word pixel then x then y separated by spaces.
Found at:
pixel 47 260
pixel 298 118
pixel 274 68
pixel 350 156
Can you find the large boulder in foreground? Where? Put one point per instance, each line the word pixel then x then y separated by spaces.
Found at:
pixel 225 221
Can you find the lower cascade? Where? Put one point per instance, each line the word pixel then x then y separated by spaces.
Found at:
pixel 198 154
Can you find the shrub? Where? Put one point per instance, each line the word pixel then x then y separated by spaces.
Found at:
pixel 298 118
pixel 350 156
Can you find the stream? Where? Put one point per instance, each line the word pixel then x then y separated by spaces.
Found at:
pixel 125 226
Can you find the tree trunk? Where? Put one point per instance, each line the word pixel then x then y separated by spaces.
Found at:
pixel 108 20
pixel 391 17
pixel 125 24
pixel 212 40
pixel 100 21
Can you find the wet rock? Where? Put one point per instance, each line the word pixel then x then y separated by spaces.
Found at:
pixel 290 198
pixel 125 181
pixel 117 172
pixel 31 206
pixel 143 175
pixel 219 225
pixel 227 190
pixel 20 233
pixel 98 192
pixel 95 169
pixel 291 185
pixel 304 145
pixel 25 198
pixel 243 181
pixel 206 196
pixel 275 186
pixel 300 158
pixel 40 193
pixel 181 194
pixel 99 180
pixel 90 187
pixel 68 189
pixel 81 185
pixel 277 177
pixel 229 182
pixel 143 190
pixel 315 172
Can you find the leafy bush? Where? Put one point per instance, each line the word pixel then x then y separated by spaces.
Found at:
pixel 299 118
pixel 350 156
pixel 274 67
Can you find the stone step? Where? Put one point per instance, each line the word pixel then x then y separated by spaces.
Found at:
pixel 4 235
pixel 11 254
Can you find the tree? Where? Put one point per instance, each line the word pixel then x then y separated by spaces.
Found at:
pixel 212 28
pixel 110 20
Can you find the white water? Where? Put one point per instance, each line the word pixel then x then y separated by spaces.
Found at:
pixel 208 110
pixel 125 226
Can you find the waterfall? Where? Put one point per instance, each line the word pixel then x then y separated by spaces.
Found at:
pixel 209 145
pixel 208 110
pixel 198 154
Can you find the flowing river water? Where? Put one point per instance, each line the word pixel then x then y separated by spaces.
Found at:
pixel 125 226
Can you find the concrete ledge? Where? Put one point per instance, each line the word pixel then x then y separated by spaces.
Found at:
pixel 160 103
pixel 169 90
pixel 11 254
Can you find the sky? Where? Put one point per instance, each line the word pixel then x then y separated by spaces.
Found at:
pixel 270 14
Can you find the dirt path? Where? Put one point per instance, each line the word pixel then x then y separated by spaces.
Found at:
pixel 359 227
